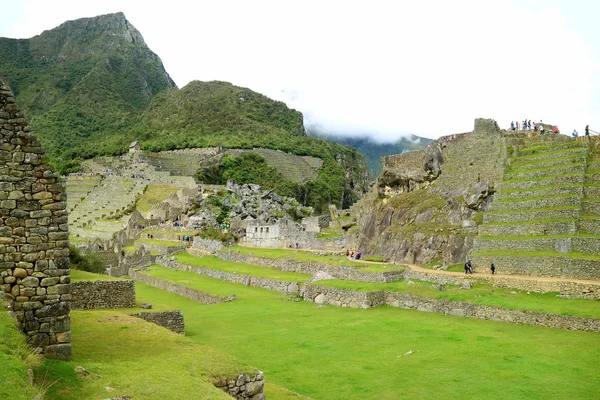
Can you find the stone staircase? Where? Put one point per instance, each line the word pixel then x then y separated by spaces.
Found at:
pixel 545 220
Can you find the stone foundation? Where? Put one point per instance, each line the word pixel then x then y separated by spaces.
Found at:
pixel 34 236
pixel 89 295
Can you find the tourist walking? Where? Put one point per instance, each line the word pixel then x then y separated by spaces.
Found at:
pixel 468 267
pixel 574 134
pixel 587 132
pixel 493 268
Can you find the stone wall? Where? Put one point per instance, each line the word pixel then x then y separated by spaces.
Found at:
pixel 89 295
pixel 264 283
pixel 138 259
pixel 340 272
pixel 34 233
pixel 288 233
pixel 209 245
pixel 244 386
pixel 181 290
pixel 172 320
pixel 349 298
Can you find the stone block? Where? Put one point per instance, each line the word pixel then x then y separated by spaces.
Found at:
pixel 58 289
pixel 49 282
pixel 31 282
pixel 58 351
pixel 20 273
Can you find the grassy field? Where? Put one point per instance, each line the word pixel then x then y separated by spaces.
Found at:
pixel 216 263
pixel 153 195
pixel 482 294
pixel 342 353
pixel 137 359
pixel 306 256
pixel 77 275
pixel 15 360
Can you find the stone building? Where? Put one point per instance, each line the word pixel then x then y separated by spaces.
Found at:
pixel 34 246
pixel 134 147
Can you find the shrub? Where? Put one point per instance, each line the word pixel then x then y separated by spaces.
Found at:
pixel 86 262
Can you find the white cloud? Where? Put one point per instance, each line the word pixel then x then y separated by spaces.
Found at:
pixel 388 67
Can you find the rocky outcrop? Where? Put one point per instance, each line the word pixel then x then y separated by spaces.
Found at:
pixel 424 204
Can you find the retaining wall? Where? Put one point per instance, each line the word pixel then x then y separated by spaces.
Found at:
pixel 265 283
pixel 181 290
pixel 350 298
pixel 243 387
pixel 88 295
pixel 172 320
pixel 209 245
pixel 340 272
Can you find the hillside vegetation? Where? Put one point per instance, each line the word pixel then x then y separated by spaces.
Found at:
pixel 92 86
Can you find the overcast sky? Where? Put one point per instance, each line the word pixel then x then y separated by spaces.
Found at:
pixel 380 67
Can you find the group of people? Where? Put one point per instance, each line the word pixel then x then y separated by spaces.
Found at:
pixel 575 134
pixel 527 125
pixel 353 255
pixel 469 268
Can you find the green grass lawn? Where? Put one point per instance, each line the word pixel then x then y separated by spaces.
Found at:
pixel 77 275
pixel 137 359
pixel 304 256
pixel 216 263
pixel 199 282
pixel 15 360
pixel 482 294
pixel 339 353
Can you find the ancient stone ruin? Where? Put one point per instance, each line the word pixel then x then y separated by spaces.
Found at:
pixel 34 246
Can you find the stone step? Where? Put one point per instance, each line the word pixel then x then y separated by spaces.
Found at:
pixel 559 244
pixel 530 215
pixel 561 266
pixel 533 203
pixel 590 225
pixel 550 180
pixel 540 191
pixel 592 179
pixel 590 207
pixel 549 147
pixel 549 162
pixel 591 191
pixel 531 228
pixel 575 152
pixel 537 173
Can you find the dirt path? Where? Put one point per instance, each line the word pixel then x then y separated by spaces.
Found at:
pixel 495 276
pixel 486 275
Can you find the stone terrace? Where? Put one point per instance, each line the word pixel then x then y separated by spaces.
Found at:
pixel 544 221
